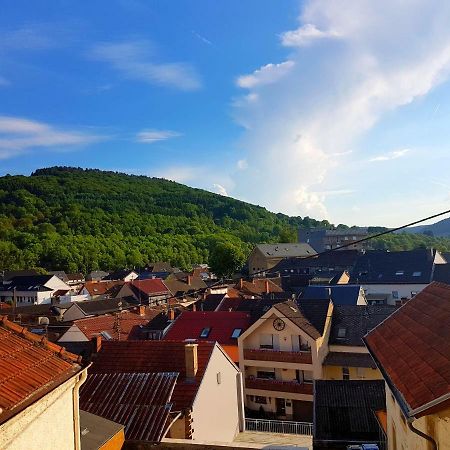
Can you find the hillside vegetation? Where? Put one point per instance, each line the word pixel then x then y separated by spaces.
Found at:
pixel 79 220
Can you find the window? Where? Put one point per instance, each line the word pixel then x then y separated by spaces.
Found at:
pixel 345 373
pixel 400 272
pixel 361 373
pixel 219 377
pixel 345 238
pixel 205 332
pixel 417 274
pixel 266 375
pixel 261 400
pixel 354 238
pixel 236 333
pixel 342 332
pixel 394 294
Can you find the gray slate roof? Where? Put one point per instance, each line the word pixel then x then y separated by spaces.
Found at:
pixel 347 359
pixel 357 320
pixel 286 250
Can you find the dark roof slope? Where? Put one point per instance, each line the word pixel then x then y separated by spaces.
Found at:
pixel 28 283
pixel 441 273
pixel 285 250
pixel 344 410
pixel 211 302
pixel 297 315
pixel 357 321
pixel 316 312
pixel 381 267
pixel 412 348
pixel 97 307
pixel 341 294
pixel 155 356
pixel 140 401
pixel 118 274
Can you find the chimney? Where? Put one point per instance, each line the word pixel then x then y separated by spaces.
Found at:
pixel 96 344
pixel 171 314
pixel 142 310
pixel 266 286
pixel 241 283
pixel 189 280
pixel 194 307
pixel 191 360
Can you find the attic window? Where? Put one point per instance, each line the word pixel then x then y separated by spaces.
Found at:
pixel 342 332
pixel 400 272
pixel 236 333
pixel 417 274
pixel 205 332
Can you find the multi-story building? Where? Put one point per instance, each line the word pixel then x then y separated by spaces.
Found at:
pixel 281 354
pixel 322 239
pixel 412 350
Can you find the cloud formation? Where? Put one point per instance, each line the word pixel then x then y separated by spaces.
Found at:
pixel 135 60
pixel 392 155
pixel 152 136
pixel 352 63
pixel 220 189
pixel 270 73
pixel 19 135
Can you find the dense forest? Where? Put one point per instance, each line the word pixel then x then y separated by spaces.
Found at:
pixel 79 220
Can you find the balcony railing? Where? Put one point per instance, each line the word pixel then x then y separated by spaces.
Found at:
pixel 279 426
pixel 292 387
pixel 278 356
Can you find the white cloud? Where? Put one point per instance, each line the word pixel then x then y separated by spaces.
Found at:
pixel 135 60
pixel 220 190
pixel 18 136
pixel 305 34
pixel 242 164
pixel 268 74
pixel 151 136
pixel 392 155
pixel 387 55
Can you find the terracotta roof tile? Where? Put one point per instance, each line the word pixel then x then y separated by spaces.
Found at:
pixel 149 287
pixel 101 287
pixel 190 324
pixel 153 356
pixel 29 365
pixel 413 347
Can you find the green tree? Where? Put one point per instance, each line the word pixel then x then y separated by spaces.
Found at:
pixel 226 259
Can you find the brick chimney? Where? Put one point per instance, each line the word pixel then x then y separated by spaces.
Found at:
pixel 142 310
pixel 266 286
pixel 189 280
pixel 171 314
pixel 96 344
pixel 241 283
pixel 191 360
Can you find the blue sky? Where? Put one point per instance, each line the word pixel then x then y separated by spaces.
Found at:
pixel 332 109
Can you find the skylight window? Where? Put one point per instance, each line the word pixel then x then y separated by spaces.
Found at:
pixel 400 272
pixel 342 332
pixel 417 274
pixel 236 333
pixel 205 332
pixel 106 335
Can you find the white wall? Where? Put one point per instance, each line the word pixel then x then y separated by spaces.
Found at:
pixel 73 298
pixel 47 424
pixel 404 290
pixel 216 408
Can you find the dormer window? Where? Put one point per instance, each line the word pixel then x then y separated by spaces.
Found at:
pixel 400 272
pixel 236 333
pixel 342 333
pixel 205 332
pixel 417 274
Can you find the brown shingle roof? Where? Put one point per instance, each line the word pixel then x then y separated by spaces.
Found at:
pixel 101 287
pixel 412 347
pixel 30 366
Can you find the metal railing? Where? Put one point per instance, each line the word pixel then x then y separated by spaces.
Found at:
pixel 279 426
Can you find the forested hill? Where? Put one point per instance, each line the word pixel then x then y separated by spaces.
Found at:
pixel 78 220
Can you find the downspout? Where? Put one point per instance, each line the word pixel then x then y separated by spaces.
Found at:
pixel 76 407
pixel 423 435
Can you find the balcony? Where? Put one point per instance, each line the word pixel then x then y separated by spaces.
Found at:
pixel 278 356
pixel 292 387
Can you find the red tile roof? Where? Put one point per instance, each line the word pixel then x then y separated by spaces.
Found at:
pixel 412 346
pixel 30 366
pixel 150 287
pixel 127 324
pixel 190 324
pixel 257 286
pixel 100 287
pixel 155 356
pixel 140 401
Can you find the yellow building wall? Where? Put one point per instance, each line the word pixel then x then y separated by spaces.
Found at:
pixel 115 443
pixel 356 373
pixel 400 437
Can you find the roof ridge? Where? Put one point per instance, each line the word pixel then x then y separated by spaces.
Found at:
pixel 35 339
